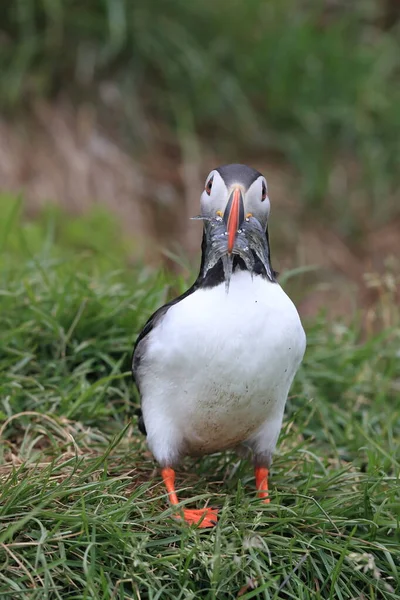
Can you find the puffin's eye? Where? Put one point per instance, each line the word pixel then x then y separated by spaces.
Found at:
pixel 264 192
pixel 209 185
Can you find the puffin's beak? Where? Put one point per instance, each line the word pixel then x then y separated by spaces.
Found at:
pixel 234 216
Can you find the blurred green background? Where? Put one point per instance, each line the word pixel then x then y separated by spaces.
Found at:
pixel 129 104
pixel 112 113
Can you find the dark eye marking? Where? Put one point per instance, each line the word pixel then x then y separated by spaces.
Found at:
pixel 264 192
pixel 209 185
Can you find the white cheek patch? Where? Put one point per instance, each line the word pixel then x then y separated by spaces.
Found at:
pixel 254 204
pixel 218 197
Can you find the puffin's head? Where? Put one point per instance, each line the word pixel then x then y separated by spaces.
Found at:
pixel 235 192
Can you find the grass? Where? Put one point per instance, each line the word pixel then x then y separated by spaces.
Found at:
pixel 82 511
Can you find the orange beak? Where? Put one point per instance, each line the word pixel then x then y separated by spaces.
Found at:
pixel 234 216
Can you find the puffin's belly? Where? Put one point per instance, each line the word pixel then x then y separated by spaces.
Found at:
pixel 223 363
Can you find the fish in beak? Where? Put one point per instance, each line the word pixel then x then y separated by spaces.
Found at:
pixel 235 234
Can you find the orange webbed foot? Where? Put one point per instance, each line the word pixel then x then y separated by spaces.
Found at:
pixel 203 517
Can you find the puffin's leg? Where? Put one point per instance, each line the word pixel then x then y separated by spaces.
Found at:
pixel 165 443
pixel 261 474
pixel 206 517
pixel 263 445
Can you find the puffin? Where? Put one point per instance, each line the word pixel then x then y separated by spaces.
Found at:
pixel 213 367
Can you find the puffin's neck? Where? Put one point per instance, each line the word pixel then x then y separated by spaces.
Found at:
pixel 216 276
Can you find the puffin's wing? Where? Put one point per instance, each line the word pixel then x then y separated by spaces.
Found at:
pixel 139 351
pixel 139 348
pixel 140 344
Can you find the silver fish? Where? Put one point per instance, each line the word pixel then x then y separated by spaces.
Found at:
pixel 257 240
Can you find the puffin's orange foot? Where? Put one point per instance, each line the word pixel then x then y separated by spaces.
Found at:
pixel 204 517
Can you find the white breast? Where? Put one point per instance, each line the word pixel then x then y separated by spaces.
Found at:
pixel 219 365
